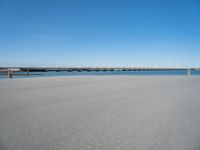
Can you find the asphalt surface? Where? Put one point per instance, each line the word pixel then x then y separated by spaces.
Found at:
pixel 100 113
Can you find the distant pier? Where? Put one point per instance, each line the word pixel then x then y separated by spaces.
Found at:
pixel 26 71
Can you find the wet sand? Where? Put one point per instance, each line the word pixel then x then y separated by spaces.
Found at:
pixel 100 113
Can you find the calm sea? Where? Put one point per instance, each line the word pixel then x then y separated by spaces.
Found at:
pixel 103 73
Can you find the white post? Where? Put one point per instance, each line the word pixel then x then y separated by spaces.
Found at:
pixel 189 72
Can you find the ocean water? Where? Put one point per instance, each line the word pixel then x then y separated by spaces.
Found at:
pixel 103 73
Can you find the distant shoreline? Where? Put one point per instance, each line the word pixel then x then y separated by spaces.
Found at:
pixel 100 73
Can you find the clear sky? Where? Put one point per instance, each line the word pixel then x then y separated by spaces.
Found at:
pixel 99 32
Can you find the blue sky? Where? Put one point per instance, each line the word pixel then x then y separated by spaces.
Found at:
pixel 99 32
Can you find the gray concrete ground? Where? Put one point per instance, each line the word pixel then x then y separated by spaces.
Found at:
pixel 100 113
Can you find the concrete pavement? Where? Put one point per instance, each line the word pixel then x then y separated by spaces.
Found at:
pixel 100 113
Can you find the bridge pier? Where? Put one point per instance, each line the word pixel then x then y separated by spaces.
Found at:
pixel 28 72
pixel 10 74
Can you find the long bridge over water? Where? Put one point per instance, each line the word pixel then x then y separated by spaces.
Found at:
pixel 10 71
